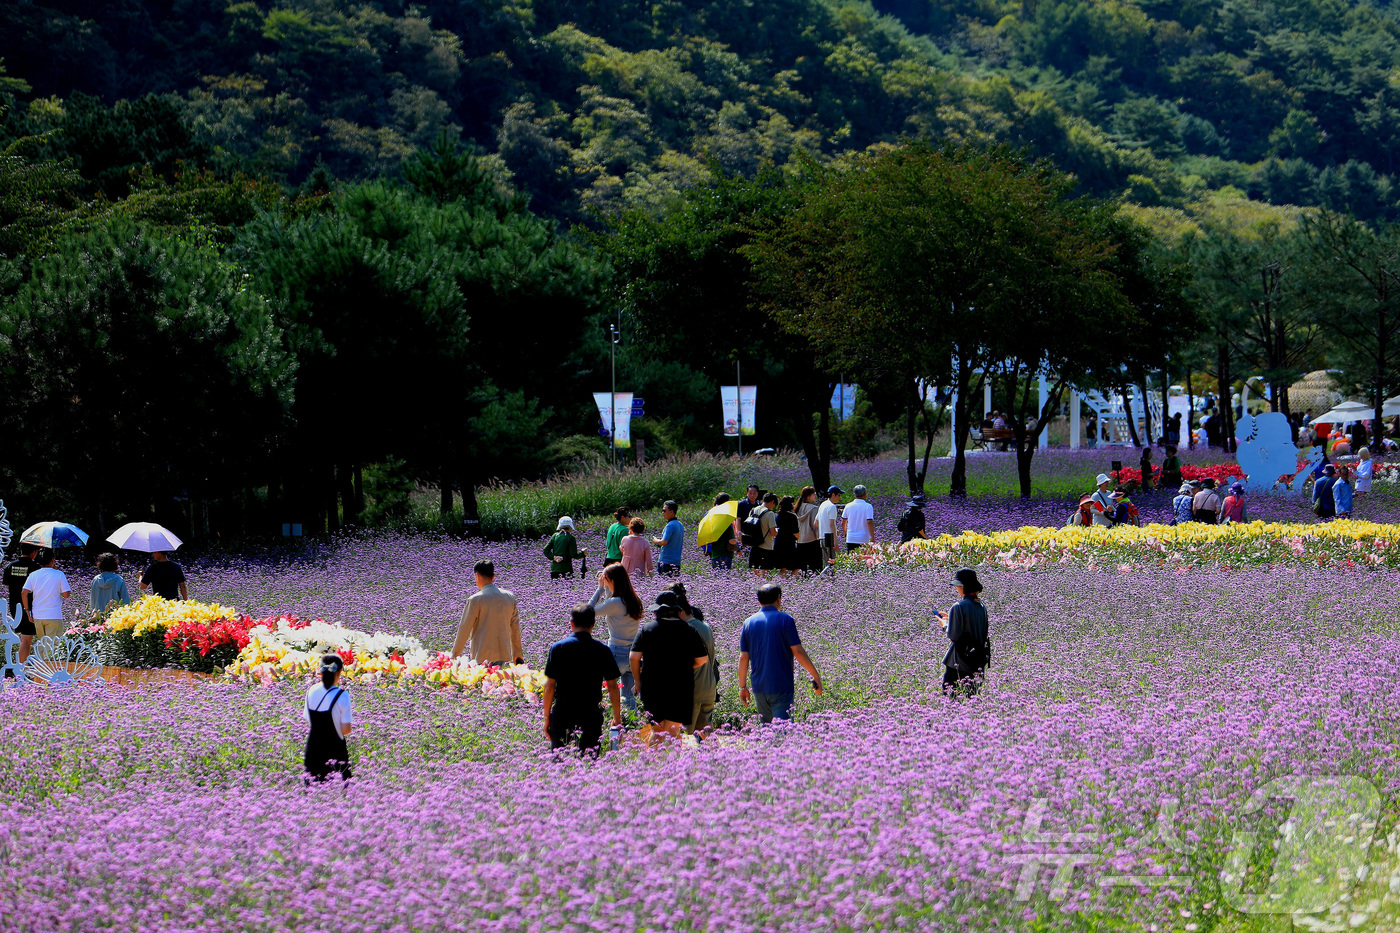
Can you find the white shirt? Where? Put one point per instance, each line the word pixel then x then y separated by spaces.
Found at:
pixel 342 712
pixel 1364 471
pixel 857 532
pixel 48 584
pixel 828 518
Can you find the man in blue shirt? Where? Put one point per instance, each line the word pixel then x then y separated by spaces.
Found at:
pixel 769 642
pixel 671 542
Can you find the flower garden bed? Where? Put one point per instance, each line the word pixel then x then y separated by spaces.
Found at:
pixel 156 640
pixel 1357 544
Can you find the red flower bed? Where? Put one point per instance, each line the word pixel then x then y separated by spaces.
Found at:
pixel 1222 473
pixel 211 647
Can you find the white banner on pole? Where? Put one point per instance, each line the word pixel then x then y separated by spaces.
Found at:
pixel 729 401
pixel 748 404
pixel 620 421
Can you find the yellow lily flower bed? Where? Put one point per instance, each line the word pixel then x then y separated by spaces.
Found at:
pixel 1344 543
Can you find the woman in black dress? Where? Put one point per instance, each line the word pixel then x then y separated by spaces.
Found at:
pixel 785 556
pixel 331 716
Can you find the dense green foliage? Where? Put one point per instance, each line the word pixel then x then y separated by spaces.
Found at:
pixel 619 104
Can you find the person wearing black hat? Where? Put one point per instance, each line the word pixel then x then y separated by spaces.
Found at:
pixel 970 645
pixel 913 524
pixel 331 716
pixel 663 659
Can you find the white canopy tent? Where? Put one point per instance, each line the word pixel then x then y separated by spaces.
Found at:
pixel 1346 411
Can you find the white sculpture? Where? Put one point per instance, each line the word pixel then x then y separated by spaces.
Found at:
pixel 62 659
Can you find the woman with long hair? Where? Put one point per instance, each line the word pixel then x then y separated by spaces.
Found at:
pixel 785 542
pixel 809 544
pixel 616 601
pixel 331 716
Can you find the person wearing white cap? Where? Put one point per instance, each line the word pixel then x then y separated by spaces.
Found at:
pixel 1102 501
pixel 562 550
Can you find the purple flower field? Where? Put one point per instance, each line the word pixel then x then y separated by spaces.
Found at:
pixel 1127 720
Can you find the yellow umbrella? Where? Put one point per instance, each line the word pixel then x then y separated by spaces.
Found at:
pixel 716 520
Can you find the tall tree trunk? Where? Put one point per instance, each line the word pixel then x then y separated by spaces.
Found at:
pixel 1147 416
pixel 332 507
pixel 957 484
pixel 916 481
pixel 1227 405
pixel 445 500
pixel 1166 403
pixel 345 477
pixel 1128 416
pixel 811 403
pixel 1190 412
pixel 359 492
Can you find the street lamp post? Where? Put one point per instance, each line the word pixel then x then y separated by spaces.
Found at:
pixel 612 399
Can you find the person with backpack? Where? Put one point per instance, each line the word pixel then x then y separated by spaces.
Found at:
pixel 969 638
pixel 913 524
pixel 1205 507
pixel 758 531
pixel 562 550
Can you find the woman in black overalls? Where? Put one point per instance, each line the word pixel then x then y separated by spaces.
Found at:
pixel 326 703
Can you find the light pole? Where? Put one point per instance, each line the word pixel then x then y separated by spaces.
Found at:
pixel 612 399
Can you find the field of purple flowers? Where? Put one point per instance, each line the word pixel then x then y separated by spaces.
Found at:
pixel 1127 721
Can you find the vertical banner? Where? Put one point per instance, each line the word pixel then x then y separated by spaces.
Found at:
pixel 621 416
pixel 748 402
pixel 843 399
pixel 729 401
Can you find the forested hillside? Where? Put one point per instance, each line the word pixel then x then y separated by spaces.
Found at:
pixel 617 104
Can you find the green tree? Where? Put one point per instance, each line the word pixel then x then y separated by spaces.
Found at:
pixel 140 371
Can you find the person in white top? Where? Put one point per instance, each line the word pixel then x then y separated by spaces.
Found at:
pixel 44 593
pixel 332 716
pixel 829 525
pixel 858 521
pixel 1365 470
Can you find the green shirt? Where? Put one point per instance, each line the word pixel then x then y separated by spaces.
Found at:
pixel 616 532
pixel 562 545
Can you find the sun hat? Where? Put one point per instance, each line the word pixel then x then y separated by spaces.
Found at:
pixel 1237 488
pixel 565 522
pixel 1103 478
pixel 1185 489
pixel 1330 470
pixel 667 604
pixel 1208 483
pixel 917 502
pixel 967 579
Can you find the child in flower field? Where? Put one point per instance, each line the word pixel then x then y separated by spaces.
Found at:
pixel 331 716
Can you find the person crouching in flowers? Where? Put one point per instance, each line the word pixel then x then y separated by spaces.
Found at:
pixel 970 644
pixel 331 716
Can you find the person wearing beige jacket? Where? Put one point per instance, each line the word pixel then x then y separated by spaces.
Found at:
pixel 491 622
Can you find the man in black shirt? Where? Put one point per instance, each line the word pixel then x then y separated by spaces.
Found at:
pixel 576 666
pixel 15 573
pixel 164 578
pixel 664 659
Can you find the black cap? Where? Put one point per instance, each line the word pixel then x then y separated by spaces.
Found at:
pixel 667 603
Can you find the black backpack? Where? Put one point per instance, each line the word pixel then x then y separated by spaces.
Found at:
pixel 751 528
